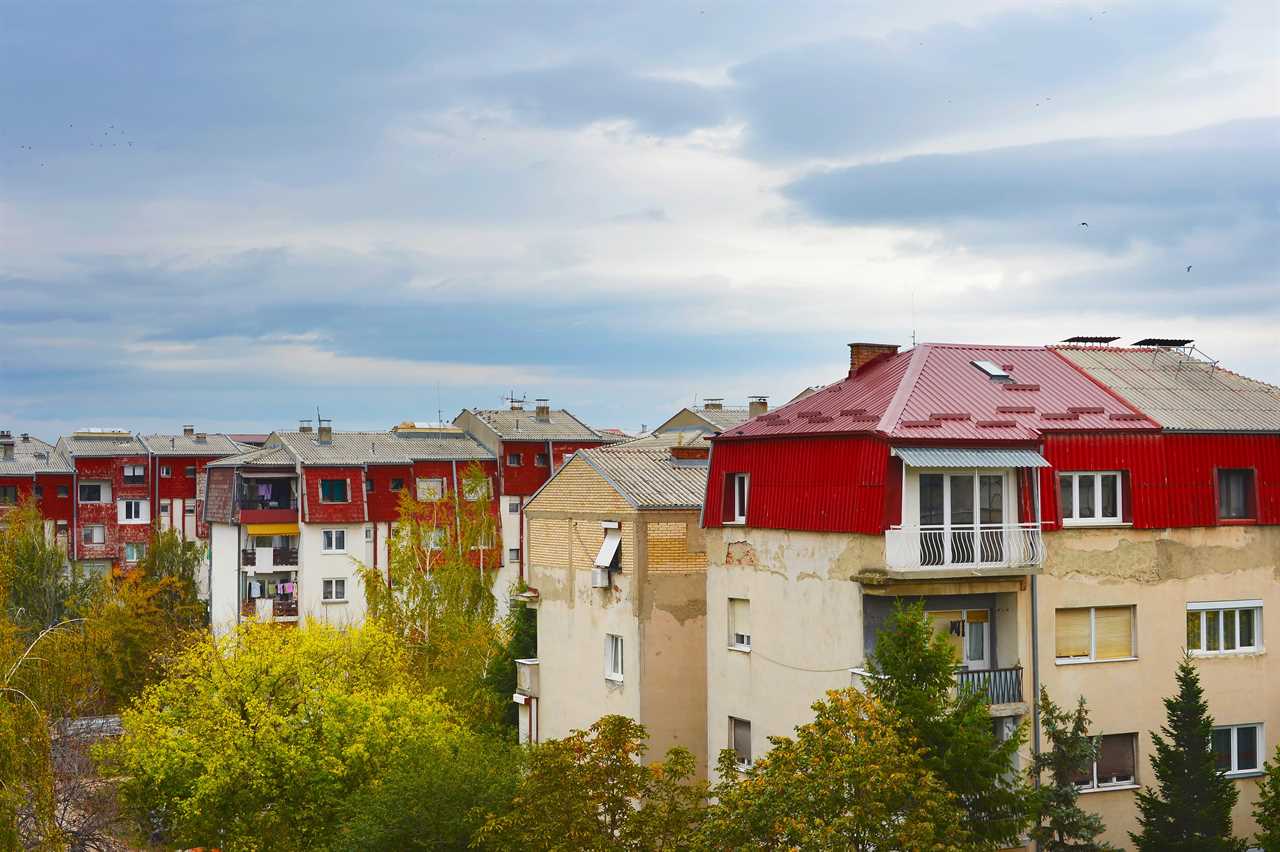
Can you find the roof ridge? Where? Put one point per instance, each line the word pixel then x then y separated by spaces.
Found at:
pixel 906 386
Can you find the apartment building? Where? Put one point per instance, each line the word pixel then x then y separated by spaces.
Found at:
pixel 291 521
pixel 30 468
pixel 176 466
pixel 618 575
pixel 529 447
pixel 1056 531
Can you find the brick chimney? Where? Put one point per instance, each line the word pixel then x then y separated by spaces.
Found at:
pixel 6 445
pixel 713 403
pixel 757 405
pixel 324 432
pixel 542 411
pixel 862 354
pixel 304 425
pixel 189 430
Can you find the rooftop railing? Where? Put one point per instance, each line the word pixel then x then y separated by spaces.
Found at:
pixel 964 546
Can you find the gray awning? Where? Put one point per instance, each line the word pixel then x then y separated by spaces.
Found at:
pixel 968 457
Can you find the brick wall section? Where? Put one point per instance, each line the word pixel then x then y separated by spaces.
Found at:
pixel 578 488
pixel 548 542
pixel 586 536
pixel 669 547
pixel 351 512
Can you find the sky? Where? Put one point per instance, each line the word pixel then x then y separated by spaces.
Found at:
pixel 234 214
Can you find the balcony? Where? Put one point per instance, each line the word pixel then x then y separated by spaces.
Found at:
pixel 969 546
pixel 1002 686
pixel 281 557
pixel 270 609
pixel 527 678
pixel 254 502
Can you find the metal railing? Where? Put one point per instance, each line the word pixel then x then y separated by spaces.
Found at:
pixel 1002 686
pixel 280 556
pixel 964 545
pixel 249 501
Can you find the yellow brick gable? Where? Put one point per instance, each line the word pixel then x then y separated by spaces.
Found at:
pixel 669 547
pixel 578 488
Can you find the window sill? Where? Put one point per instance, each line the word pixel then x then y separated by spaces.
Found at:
pixel 1120 787
pixel 343 601
pixel 1237 522
pixel 741 649
pixel 733 523
pixel 1240 652
pixel 1073 662
pixel 1087 524
pixel 333 553
pixel 1244 773
pixel 613 679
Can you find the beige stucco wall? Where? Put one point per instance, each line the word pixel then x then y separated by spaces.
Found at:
pixel 1159 572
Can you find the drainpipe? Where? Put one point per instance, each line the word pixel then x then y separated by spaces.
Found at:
pixel 75 513
pixel 1035 637
pixel 457 508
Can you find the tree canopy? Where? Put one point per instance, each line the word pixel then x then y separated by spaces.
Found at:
pixel 1059 824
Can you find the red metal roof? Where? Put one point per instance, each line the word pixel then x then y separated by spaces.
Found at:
pixel 933 392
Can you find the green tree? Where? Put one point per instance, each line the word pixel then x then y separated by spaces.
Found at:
pixel 260 740
pixel 591 791
pixel 913 673
pixel 26 777
pixel 1059 824
pixel 522 643
pixel 37 589
pixel 1267 809
pixel 171 567
pixel 1191 809
pixel 850 779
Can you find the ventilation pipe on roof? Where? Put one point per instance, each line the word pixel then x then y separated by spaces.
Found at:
pixel 26 439
pixel 188 430
pixel 542 410
pixel 304 425
pixel 713 403
pixel 757 405
pixel 862 354
pixel 201 438
pixel 6 445
pixel 324 434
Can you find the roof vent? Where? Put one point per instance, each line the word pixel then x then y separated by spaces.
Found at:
pixel 542 410
pixel 324 434
pixel 862 354
pixel 304 425
pixel 713 403
pixel 201 438
pixel 26 439
pixel 189 430
pixel 6 445
pixel 757 405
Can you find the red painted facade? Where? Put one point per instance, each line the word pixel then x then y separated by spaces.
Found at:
pixel 316 511
pixel 524 479
pixel 115 534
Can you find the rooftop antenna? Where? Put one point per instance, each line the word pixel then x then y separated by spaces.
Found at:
pixel 439 406
pixel 913 316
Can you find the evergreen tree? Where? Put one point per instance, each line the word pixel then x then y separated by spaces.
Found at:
pixel 913 672
pixel 1267 809
pixel 1060 824
pixel 1191 810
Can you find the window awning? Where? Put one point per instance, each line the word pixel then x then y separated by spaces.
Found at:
pixel 608 548
pixel 968 457
pixel 271 529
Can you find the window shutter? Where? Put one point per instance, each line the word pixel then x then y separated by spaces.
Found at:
pixel 1126 498
pixel 1115 632
pixel 1071 632
pixel 727 507
pixel 1116 759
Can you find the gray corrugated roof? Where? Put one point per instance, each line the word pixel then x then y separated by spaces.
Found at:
pixel 34 456
pixel 648 478
pixel 76 446
pixel 1180 393
pixel 379 448
pixel 524 425
pixel 666 440
pixel 968 457
pixel 186 445
pixel 277 456
pixel 722 418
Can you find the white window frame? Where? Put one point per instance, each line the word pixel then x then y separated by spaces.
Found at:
pixel 1234 771
pixel 166 506
pixel 513 506
pixel 1094 479
pixel 1132 782
pixel 104 492
pixel 513 555
pixel 165 471
pixel 1222 608
pixel 738 761
pixel 542 459
pixel 329 541
pixel 133 511
pixel 320 490
pixel 734 635
pixel 138 548
pixel 93 539
pixel 329 590
pixel 189 508
pixel 368 535
pixel 136 471
pixel 614 657
pixel 422 487
pixel 741 497
pixel 1093 636
pixel 515 459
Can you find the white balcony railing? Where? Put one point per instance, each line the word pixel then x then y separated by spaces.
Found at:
pixel 964 546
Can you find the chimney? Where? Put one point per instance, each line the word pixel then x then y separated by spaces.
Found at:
pixel 189 430
pixel 324 434
pixel 26 439
pixel 757 405
pixel 304 425
pixel 201 438
pixel 713 403
pixel 6 445
pixel 517 405
pixel 543 410
pixel 862 354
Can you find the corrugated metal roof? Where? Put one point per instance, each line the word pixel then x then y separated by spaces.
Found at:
pixel 934 393
pixel 666 440
pixel 722 418
pixel 1181 393
pixel 648 478
pixel 524 425
pixel 277 456
pixel 969 457
pixel 379 448
pixel 75 446
pixel 31 455
pixel 214 444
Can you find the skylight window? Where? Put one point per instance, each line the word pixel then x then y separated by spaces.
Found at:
pixel 993 370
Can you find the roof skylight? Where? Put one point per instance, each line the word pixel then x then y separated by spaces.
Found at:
pixel 992 369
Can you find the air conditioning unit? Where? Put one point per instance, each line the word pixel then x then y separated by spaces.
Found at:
pixel 527 677
pixel 600 578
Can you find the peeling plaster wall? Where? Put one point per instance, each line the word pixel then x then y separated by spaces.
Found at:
pixel 1159 572
pixel 673 697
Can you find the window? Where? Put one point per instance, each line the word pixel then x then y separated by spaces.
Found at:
pixel 334 541
pixel 189 510
pixel 513 555
pixel 613 657
pixel 37 490
pixel 992 369
pixel 1236 748
pixel 368 534
pixel 1093 634
pixel 333 491
pixel 334 590
pixel 542 460
pixel 93 534
pixel 397 484
pixel 60 529
pixel 1235 494
pixel 515 459
pixel 1090 498
pixel 1224 627
pixel 476 489
pixel 513 508
pixel 189 471
pixel 1115 766
pixel 166 471
pixel 95 492
pixel 368 485
pixel 132 511
pixel 740 741
pixel 134 474
pixel 95 568
pixel 133 551
pixel 165 507
pixel 64 491
pixel 735 498
pixel 431 488
pixel 740 624
pixel 434 539
pixel 8 495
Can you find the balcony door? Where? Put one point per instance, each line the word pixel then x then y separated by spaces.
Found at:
pixel 968 632
pixel 948 504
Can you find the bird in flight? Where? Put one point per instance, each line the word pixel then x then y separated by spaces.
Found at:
pixel 1084 224
pixel 1188 268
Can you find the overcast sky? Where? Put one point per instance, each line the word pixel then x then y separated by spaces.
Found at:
pixel 230 214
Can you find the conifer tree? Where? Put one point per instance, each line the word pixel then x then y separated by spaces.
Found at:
pixel 1060 824
pixel 1190 811
pixel 1267 809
